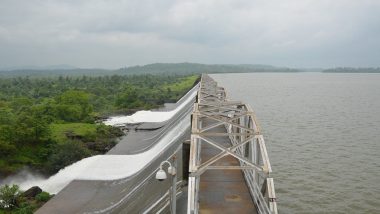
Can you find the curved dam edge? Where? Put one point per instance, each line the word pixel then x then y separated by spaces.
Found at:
pixel 87 195
pixel 137 141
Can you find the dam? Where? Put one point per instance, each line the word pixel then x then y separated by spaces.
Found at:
pixel 215 146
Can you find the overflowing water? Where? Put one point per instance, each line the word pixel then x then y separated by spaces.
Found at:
pixel 323 137
pixel 108 167
pixel 149 116
pixel 25 178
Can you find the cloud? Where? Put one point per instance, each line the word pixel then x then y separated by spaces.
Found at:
pixel 113 34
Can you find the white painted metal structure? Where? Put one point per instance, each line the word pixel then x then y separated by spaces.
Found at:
pixel 247 145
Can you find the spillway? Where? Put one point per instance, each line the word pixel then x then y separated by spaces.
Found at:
pixel 151 116
pixel 113 167
pixel 108 182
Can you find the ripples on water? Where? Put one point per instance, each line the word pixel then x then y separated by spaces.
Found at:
pixel 323 137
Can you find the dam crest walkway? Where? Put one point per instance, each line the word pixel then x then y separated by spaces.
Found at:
pixel 229 164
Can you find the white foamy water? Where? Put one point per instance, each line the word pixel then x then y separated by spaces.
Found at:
pixel 105 167
pixel 110 167
pixel 149 116
pixel 26 177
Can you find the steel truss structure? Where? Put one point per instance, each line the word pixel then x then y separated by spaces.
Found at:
pixel 247 145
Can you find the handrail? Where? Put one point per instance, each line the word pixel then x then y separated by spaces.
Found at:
pixel 247 145
pixel 164 201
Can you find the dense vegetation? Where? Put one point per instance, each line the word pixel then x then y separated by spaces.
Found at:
pixel 13 200
pixel 48 123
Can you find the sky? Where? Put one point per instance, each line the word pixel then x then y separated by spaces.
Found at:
pixel 122 33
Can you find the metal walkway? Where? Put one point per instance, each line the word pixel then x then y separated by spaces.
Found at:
pixel 229 165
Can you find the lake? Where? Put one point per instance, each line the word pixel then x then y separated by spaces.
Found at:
pixel 322 133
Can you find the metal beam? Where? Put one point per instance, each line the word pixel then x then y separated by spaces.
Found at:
pixel 244 133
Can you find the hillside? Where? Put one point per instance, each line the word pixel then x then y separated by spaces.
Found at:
pixel 157 68
pixel 187 68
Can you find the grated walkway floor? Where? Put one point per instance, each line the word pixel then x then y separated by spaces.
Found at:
pixel 223 191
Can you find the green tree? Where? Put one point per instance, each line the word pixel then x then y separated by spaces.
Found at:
pixel 66 154
pixel 7 120
pixel 129 99
pixel 43 196
pixel 6 149
pixel 74 106
pixel 9 196
pixel 21 103
pixel 31 129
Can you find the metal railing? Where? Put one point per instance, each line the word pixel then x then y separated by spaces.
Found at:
pixel 164 201
pixel 247 145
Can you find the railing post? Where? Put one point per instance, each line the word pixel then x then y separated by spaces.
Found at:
pixel 271 196
pixel 192 202
pixel 257 158
pixel 173 197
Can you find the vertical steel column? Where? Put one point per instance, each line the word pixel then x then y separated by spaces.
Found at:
pixel 173 197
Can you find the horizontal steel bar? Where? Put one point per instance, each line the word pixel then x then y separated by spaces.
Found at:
pixel 231 167
pixel 218 134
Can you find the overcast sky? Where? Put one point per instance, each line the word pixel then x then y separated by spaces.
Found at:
pixel 118 33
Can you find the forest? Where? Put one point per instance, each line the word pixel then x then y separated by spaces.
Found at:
pixel 48 123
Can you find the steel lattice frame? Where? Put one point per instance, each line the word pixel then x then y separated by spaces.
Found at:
pixel 248 145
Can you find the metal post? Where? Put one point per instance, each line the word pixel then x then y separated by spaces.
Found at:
pixel 174 188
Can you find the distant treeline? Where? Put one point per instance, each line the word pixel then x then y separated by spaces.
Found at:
pixel 352 70
pixel 169 69
pixel 189 68
pixel 157 68
pixel 75 72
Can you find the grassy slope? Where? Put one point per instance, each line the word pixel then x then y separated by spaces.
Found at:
pixel 179 89
pixel 58 131
pixel 185 83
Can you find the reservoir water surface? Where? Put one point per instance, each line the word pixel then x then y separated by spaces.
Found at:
pixel 323 137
